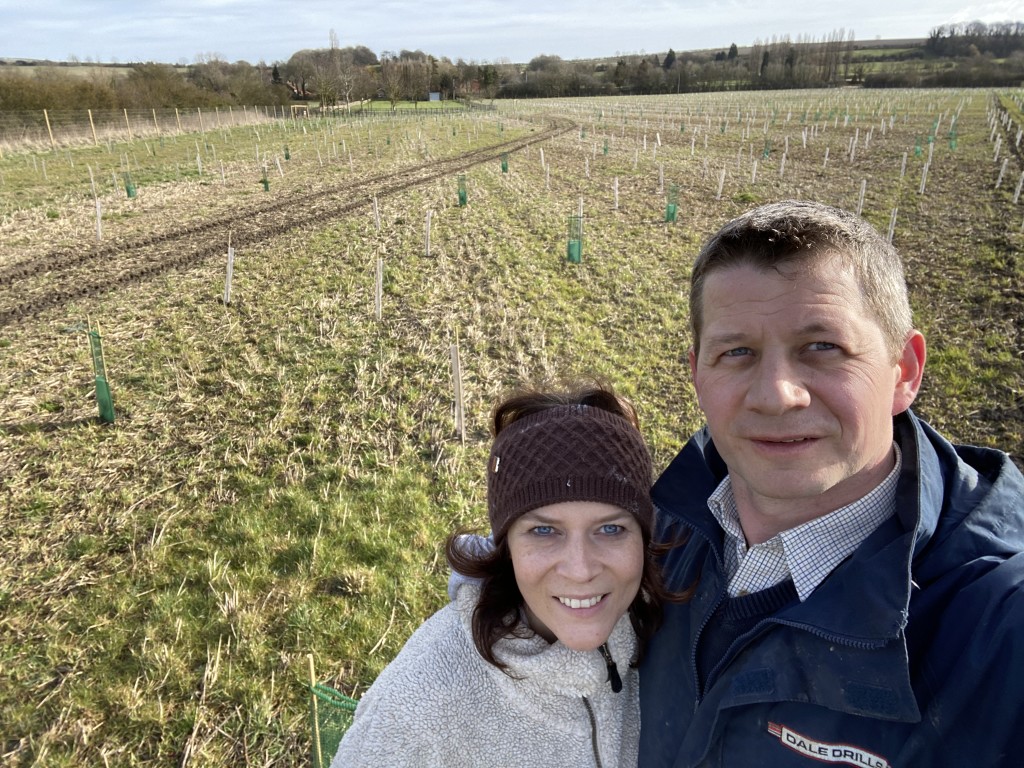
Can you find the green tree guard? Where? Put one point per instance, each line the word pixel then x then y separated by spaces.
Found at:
pixel 606 146
pixel 504 162
pixel 129 185
pixel 103 397
pixel 287 154
pixel 462 192
pixel 672 208
pixel 575 249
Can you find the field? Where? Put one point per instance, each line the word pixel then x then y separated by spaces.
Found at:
pixel 283 468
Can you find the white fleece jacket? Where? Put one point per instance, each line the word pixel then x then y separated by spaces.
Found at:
pixel 439 704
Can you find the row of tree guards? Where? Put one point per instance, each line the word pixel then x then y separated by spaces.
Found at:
pixel 671 206
pixel 574 253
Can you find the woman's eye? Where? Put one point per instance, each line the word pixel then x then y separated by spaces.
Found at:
pixel 542 530
pixel 611 529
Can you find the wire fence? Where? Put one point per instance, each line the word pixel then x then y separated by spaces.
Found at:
pixel 50 129
pixel 53 128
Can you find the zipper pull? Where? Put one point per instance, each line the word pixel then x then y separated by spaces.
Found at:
pixel 613 671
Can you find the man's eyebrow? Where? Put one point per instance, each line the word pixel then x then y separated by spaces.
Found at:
pixel 720 339
pixel 817 326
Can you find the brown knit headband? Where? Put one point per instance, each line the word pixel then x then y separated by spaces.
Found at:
pixel 568 453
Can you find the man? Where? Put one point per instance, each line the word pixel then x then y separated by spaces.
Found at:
pixel 859 579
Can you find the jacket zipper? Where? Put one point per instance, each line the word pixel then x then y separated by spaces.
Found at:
pixel 593 731
pixel 613 671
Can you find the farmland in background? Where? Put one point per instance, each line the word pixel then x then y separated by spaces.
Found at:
pixel 283 469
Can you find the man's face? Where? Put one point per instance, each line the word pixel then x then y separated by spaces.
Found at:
pixel 799 390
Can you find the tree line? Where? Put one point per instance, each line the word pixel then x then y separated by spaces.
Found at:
pixel 970 54
pixel 973 54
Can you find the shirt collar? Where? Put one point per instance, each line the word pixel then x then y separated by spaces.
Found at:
pixel 814 549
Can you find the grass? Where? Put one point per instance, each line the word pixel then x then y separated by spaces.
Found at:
pixel 283 471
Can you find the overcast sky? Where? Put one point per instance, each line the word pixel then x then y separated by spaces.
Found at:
pixel 474 30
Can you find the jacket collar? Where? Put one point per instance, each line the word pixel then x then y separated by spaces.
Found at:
pixel 837 608
pixel 537 666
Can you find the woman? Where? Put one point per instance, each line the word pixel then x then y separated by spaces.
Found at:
pixel 534 661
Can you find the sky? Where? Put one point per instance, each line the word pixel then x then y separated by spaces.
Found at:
pixel 482 31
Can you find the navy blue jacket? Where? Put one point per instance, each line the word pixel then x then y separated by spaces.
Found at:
pixel 910 653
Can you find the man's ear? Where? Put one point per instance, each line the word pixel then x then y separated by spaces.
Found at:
pixel 911 370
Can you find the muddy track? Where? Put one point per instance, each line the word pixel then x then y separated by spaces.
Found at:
pixel 71 274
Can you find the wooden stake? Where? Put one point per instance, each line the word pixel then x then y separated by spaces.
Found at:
pixel 379 289
pixel 49 130
pixel 427 235
pixel 231 269
pixel 316 713
pixel 999 179
pixel 460 421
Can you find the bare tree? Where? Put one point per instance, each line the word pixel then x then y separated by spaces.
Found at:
pixel 300 73
pixel 391 78
pixel 417 79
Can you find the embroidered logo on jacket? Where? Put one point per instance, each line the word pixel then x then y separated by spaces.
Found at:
pixel 825 752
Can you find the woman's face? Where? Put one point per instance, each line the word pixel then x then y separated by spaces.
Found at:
pixel 578 565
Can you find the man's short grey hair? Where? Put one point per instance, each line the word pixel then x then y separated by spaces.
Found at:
pixel 795 232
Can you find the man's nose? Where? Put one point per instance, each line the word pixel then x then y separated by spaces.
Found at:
pixel 777 386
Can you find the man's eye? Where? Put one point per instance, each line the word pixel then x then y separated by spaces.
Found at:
pixel 612 529
pixel 820 346
pixel 737 352
pixel 542 530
